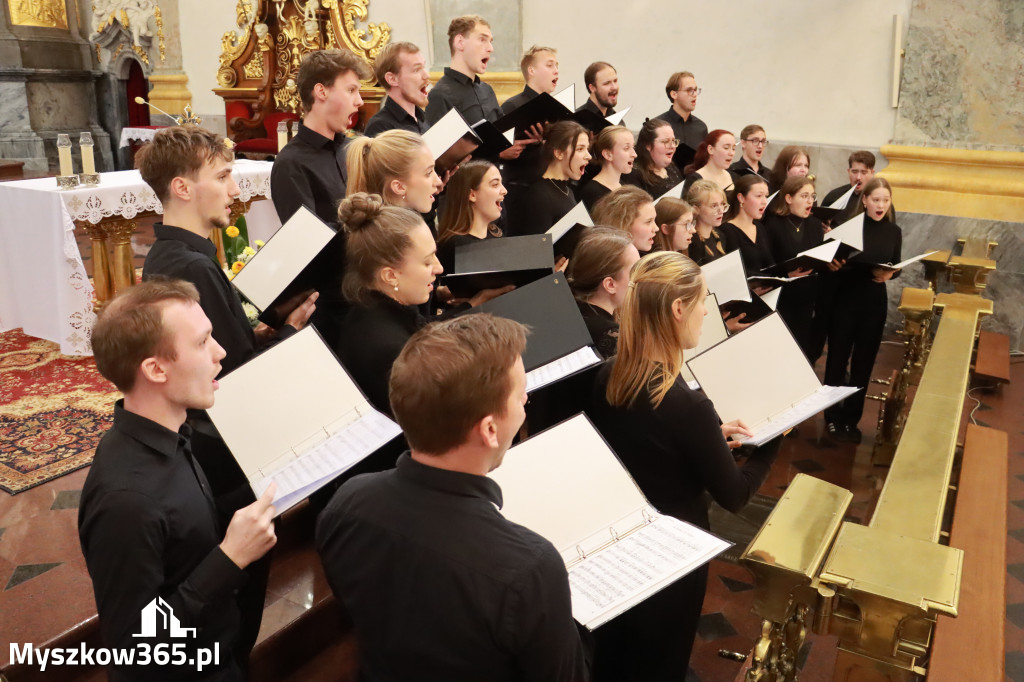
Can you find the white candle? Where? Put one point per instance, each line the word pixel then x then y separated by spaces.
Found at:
pixel 88 163
pixel 282 135
pixel 64 154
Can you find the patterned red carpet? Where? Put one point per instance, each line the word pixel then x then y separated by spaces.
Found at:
pixel 53 410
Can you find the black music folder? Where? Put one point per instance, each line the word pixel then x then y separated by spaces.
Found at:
pixel 559 343
pixel 816 258
pixel 825 213
pixel 496 263
pixel 569 229
pixel 450 140
pixel 303 256
pixel 567 485
pixel 492 142
pixel 293 415
pixel 777 388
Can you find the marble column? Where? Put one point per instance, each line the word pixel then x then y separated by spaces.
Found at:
pixel 47 85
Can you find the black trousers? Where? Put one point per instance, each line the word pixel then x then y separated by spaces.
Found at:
pixel 855 335
pixel 652 641
pixel 796 307
pixel 824 305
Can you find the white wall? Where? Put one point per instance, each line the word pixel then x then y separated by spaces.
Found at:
pixel 817 72
pixel 814 72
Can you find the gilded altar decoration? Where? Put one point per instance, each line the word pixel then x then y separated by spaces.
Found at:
pixel 45 13
pixel 160 32
pixel 298 36
pixel 254 67
pixel 232 44
pixel 366 43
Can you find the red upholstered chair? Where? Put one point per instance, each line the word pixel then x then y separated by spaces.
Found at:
pixel 268 144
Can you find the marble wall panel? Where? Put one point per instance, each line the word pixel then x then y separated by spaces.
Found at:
pixel 506 27
pixel 1005 286
pixel 961 82
pixel 60 105
pixel 14 107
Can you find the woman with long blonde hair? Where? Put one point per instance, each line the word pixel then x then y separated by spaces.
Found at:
pixel 671 440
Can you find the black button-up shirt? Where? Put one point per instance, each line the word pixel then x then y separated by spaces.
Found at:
pixel 310 171
pixel 473 98
pixel 149 529
pixel 181 254
pixel 392 116
pixel 440 586
pixel 590 106
pixel 690 132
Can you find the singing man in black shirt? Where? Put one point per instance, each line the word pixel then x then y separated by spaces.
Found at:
pixel 147 523
pixel 471 44
pixel 439 585
pixel 682 91
pixel 310 170
pixel 602 83
pixel 401 68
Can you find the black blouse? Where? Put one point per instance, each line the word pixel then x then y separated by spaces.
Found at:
pixel 657 188
pixel 883 243
pixel 757 255
pixel 591 192
pixel 603 328
pixel 374 334
pixel 703 251
pixel 540 206
pixel 676 451
pixel 788 235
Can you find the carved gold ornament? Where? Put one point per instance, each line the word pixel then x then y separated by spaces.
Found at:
pixel 293 42
pixel 367 43
pixel 160 31
pixel 232 44
pixel 45 13
pixel 253 68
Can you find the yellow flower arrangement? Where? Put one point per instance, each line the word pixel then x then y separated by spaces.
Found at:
pixel 237 266
pixel 259 243
pixel 231 231
pixel 249 251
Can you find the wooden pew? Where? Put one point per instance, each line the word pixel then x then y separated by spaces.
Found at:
pixel 992 361
pixel 972 646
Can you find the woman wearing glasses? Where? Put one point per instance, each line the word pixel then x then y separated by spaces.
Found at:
pixel 676 225
pixel 653 170
pixel 712 161
pixel 709 207
pixel 791 229
pixel 753 141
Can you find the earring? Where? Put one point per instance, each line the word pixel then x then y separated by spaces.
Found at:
pixel 396 287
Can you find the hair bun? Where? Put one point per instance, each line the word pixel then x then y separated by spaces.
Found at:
pixel 360 210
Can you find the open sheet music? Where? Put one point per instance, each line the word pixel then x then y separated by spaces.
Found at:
pixel 293 415
pixel 770 397
pixel 561 368
pixel 567 485
pixel 903 264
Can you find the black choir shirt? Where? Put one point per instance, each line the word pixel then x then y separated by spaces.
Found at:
pixel 310 171
pixel 740 168
pixel 834 195
pixel 440 586
pixel 590 106
pixel 180 254
pixel 473 98
pixel 757 255
pixel 540 206
pixel 659 186
pixel 690 132
pixel 392 116
pixel 676 451
pixel 702 251
pixel 148 529
pixel 883 243
pixel 376 333
pixel 592 192
pixel 603 328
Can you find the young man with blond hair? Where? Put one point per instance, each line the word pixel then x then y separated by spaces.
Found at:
pixel 439 585
pixel 310 171
pixel 147 521
pixel 540 70
pixel 401 68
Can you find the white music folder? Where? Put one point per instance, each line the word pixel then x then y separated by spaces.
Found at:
pixel 762 377
pixel 293 415
pixel 283 257
pixel 578 214
pixel 851 232
pixel 567 97
pixel 616 118
pixel 712 332
pixel 726 278
pixel 568 486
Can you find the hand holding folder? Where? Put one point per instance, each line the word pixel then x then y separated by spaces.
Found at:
pixel 772 396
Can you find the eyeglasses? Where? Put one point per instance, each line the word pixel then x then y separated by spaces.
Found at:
pixel 692 91
pixel 669 141
pixel 719 207
pixel 757 141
